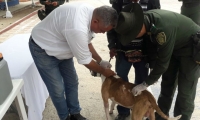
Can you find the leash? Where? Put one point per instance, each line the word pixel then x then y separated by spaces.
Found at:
pixel 109 59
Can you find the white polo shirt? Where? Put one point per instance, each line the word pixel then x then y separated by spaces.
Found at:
pixel 65 32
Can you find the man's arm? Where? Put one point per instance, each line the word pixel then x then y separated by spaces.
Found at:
pixel 95 55
pixel 98 59
pixel 100 65
pixel 107 72
pixel 82 51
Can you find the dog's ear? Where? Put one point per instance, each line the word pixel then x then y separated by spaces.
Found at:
pixel 93 73
pixel 103 78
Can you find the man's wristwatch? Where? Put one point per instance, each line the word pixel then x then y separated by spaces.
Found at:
pixel 145 84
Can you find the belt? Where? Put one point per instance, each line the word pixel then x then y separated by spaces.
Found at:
pixel 31 40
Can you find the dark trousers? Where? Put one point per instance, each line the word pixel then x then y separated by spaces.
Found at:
pixel 123 67
pixel 153 4
pixel 192 12
pixel 184 72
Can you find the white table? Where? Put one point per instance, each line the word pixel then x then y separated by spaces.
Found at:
pixel 14 95
pixel 21 66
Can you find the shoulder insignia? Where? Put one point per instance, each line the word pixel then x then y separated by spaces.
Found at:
pixel 161 38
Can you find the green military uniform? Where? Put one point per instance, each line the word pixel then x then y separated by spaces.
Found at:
pixel 191 9
pixel 170 32
pixel 49 8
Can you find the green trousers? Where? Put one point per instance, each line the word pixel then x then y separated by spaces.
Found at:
pixel 192 12
pixel 184 73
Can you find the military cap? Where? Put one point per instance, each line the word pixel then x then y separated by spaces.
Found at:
pixel 130 23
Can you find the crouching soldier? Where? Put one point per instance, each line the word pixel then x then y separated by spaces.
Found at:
pixel 176 42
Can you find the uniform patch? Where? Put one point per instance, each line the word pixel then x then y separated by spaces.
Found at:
pixel 161 38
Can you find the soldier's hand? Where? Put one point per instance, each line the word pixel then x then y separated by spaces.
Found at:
pixel 47 2
pixel 108 72
pixel 137 90
pixel 113 52
pixel 54 3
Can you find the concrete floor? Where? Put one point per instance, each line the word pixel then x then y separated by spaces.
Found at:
pixel 89 87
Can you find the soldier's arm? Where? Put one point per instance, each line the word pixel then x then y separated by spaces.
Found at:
pixel 112 38
pixel 60 2
pixel 43 2
pixel 163 57
pixel 112 35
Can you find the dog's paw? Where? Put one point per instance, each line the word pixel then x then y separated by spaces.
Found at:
pixel 175 118
pixel 178 117
pixel 110 112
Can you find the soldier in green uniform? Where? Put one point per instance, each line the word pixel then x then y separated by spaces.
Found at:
pixel 50 5
pixel 123 64
pixel 191 9
pixel 170 47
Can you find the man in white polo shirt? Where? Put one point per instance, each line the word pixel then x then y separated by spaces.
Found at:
pixel 66 33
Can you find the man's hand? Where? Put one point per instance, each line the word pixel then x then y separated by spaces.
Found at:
pixel 105 64
pixel 113 52
pixel 108 72
pixel 137 90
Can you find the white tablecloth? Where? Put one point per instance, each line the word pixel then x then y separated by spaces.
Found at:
pixel 21 66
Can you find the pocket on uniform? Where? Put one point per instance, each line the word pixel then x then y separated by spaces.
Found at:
pixel 196 55
pixel 196 47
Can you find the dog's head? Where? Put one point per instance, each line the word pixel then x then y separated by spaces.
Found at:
pixel 95 74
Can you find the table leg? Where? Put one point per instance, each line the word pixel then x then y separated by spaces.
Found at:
pixel 20 107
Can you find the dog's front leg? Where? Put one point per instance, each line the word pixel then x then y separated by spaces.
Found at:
pixel 112 107
pixel 106 107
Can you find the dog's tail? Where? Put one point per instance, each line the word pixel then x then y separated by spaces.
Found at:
pixel 158 110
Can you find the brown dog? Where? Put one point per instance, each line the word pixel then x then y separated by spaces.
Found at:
pixel 119 92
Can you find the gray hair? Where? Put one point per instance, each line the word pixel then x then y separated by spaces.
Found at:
pixel 107 15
